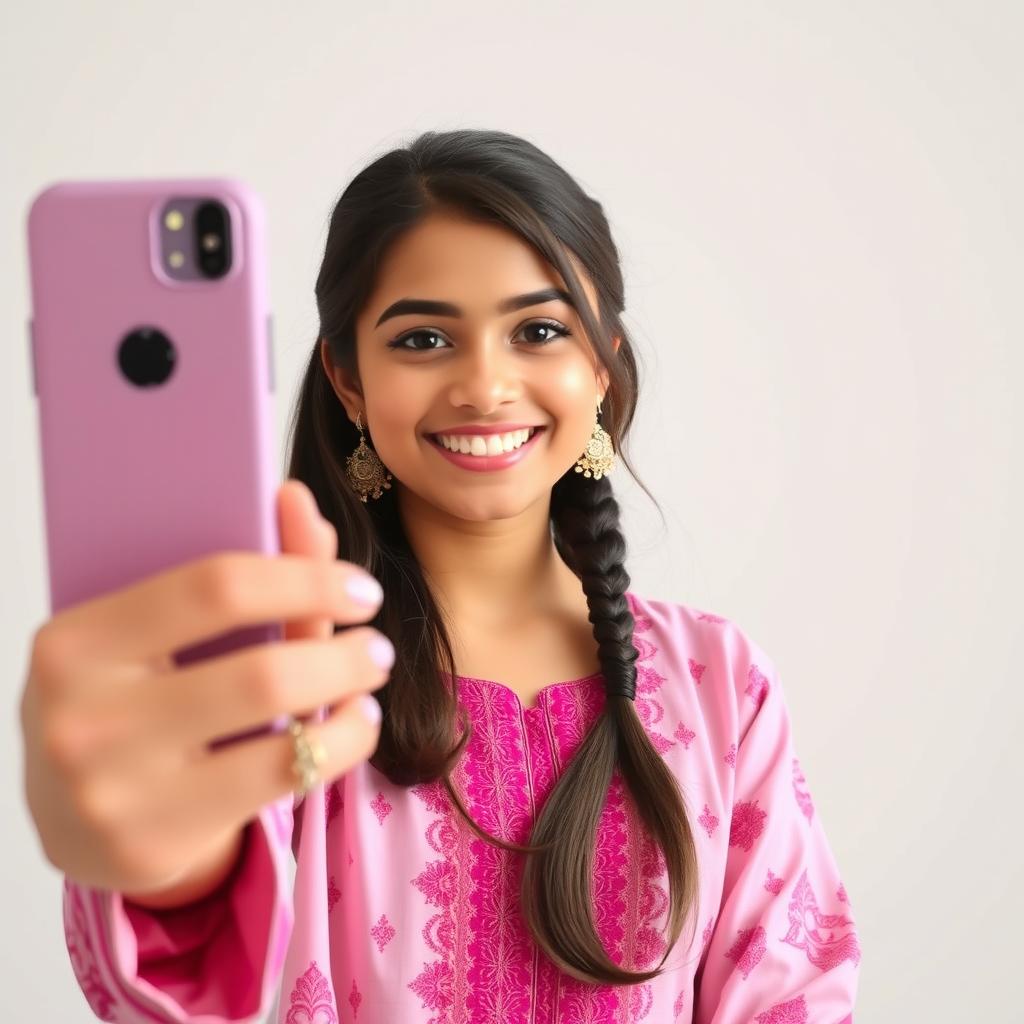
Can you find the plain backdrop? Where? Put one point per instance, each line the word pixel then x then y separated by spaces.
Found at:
pixel 819 211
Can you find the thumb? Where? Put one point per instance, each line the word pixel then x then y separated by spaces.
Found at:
pixel 303 531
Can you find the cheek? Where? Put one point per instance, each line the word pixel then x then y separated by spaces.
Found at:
pixel 572 407
pixel 404 405
pixel 573 396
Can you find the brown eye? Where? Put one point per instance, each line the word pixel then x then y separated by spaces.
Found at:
pixel 551 327
pixel 399 342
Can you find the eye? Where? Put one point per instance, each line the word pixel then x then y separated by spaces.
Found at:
pixel 400 341
pixel 553 328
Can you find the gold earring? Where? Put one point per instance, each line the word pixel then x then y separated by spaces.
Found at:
pixel 599 455
pixel 365 470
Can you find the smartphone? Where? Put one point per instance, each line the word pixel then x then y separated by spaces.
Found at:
pixel 153 374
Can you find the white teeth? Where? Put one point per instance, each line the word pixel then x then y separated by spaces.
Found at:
pixel 491 444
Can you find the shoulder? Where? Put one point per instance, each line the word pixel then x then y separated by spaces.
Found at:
pixel 675 623
pixel 707 650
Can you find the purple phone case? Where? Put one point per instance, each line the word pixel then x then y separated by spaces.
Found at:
pixel 139 479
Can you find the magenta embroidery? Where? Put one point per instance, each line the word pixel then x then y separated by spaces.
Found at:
pixel 433 985
pixel 709 821
pixel 803 798
pixel 677 1006
pixel 312 1001
pixel 487 966
pixel 684 735
pixel 382 932
pixel 334 801
pixel 381 807
pixel 747 950
pixel 824 951
pixel 757 686
pixel 793 1011
pixel 649 681
pixel 427 926
pixel 355 998
pixel 650 939
pixel 746 825
pixel 437 883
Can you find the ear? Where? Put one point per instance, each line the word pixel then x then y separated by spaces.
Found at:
pixel 347 389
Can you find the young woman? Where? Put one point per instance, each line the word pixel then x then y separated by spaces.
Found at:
pixel 581 804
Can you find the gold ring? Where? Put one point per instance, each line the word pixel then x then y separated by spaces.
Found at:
pixel 308 757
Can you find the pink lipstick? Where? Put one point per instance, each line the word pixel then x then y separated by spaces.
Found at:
pixel 486 463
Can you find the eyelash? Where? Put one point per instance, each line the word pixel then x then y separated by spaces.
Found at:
pixel 561 332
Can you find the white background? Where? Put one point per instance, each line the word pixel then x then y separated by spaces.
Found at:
pixel 819 210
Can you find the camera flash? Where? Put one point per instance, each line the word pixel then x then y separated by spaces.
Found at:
pixel 174 220
pixel 176 259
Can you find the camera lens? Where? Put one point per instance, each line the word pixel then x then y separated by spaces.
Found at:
pixel 213 239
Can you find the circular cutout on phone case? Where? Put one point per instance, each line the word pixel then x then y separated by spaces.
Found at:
pixel 147 357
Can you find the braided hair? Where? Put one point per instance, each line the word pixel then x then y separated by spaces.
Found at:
pixel 498 177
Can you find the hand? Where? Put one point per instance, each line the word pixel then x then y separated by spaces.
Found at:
pixel 120 784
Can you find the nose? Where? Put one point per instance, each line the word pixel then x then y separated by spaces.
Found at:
pixel 484 376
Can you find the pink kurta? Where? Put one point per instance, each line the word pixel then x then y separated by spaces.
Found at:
pixel 401 914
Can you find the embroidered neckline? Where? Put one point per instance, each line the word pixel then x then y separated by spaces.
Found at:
pixel 541 693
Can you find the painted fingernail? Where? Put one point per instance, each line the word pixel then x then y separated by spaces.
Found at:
pixel 364 589
pixel 382 651
pixel 370 708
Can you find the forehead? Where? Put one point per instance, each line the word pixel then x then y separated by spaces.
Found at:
pixel 473 264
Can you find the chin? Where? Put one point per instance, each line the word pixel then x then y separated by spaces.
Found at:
pixel 484 508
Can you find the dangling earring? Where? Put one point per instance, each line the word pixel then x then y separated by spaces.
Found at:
pixel 599 455
pixel 365 470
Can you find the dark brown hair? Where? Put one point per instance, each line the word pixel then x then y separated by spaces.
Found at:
pixel 499 178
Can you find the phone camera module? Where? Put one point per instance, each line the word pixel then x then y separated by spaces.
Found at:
pixel 195 239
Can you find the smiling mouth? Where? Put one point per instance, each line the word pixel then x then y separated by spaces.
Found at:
pixel 436 440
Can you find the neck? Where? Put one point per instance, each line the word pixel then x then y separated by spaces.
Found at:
pixel 492 573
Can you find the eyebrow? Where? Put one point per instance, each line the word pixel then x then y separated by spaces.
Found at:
pixel 432 307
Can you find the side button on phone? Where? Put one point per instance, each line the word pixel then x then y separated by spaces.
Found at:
pixel 270 349
pixel 32 356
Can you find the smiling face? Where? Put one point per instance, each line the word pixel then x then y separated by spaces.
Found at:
pixel 478 361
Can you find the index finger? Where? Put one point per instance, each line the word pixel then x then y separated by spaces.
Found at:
pixel 187 604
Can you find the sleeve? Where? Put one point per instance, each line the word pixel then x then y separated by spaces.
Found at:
pixel 216 960
pixel 784 945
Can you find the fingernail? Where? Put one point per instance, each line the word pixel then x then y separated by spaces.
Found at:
pixel 370 708
pixel 382 651
pixel 364 589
